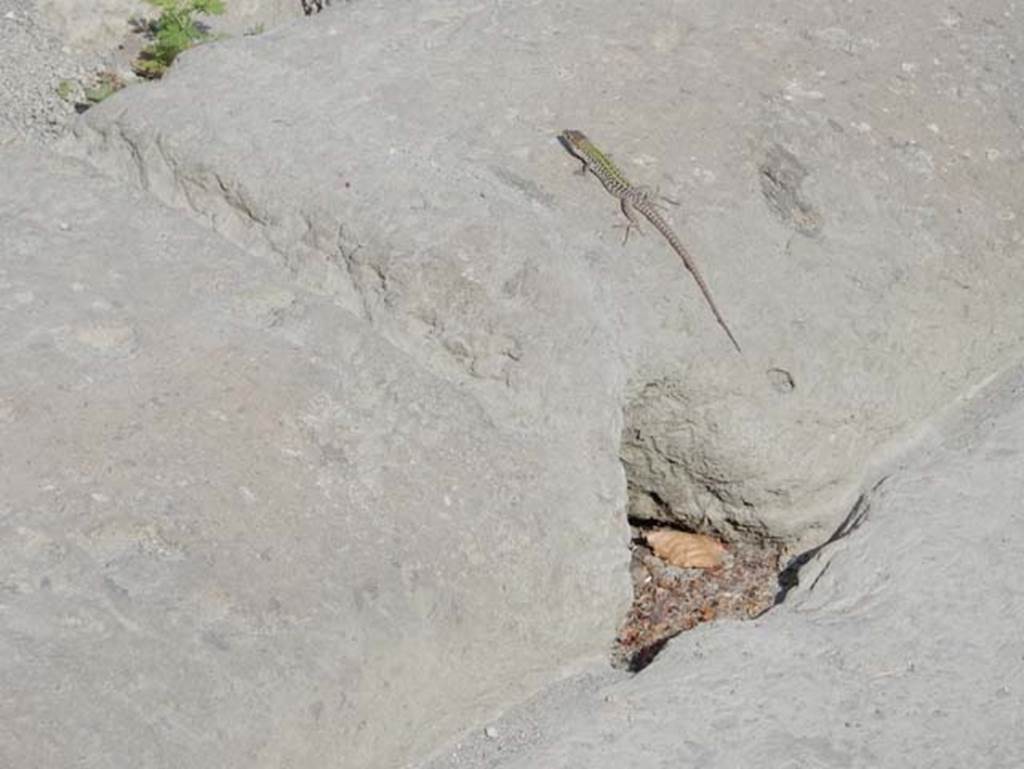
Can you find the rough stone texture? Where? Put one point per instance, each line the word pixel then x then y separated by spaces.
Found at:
pixel 331 498
pixel 99 25
pixel 240 529
pixel 250 17
pixel 902 645
pixel 53 51
pixel 849 177
pixel 39 75
pixel 96 26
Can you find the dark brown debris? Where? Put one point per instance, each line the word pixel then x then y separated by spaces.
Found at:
pixel 668 600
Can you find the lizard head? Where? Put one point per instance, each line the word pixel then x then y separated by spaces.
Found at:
pixel 574 136
pixel 573 139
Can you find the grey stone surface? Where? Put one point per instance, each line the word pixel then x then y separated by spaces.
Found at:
pixel 900 647
pixel 98 26
pixel 339 479
pixel 53 51
pixel 94 26
pixel 240 529
pixel 857 222
pixel 34 63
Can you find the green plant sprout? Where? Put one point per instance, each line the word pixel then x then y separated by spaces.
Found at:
pixel 65 89
pixel 175 31
pixel 107 82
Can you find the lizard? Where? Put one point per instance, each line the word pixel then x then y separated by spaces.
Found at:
pixel 635 199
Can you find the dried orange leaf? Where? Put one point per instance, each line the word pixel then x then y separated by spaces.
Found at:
pixel 687 551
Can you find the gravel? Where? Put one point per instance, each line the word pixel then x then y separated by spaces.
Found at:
pixel 41 79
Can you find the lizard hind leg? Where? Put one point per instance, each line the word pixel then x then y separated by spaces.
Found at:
pixel 652 195
pixel 632 221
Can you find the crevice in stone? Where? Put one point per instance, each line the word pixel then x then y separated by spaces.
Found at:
pixel 789 578
pixel 672 485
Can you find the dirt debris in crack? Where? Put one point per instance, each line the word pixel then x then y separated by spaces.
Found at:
pixel 668 600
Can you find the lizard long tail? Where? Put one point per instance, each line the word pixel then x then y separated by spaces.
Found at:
pixel 661 225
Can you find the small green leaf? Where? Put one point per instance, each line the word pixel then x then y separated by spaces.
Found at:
pixel 65 88
pixel 175 31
